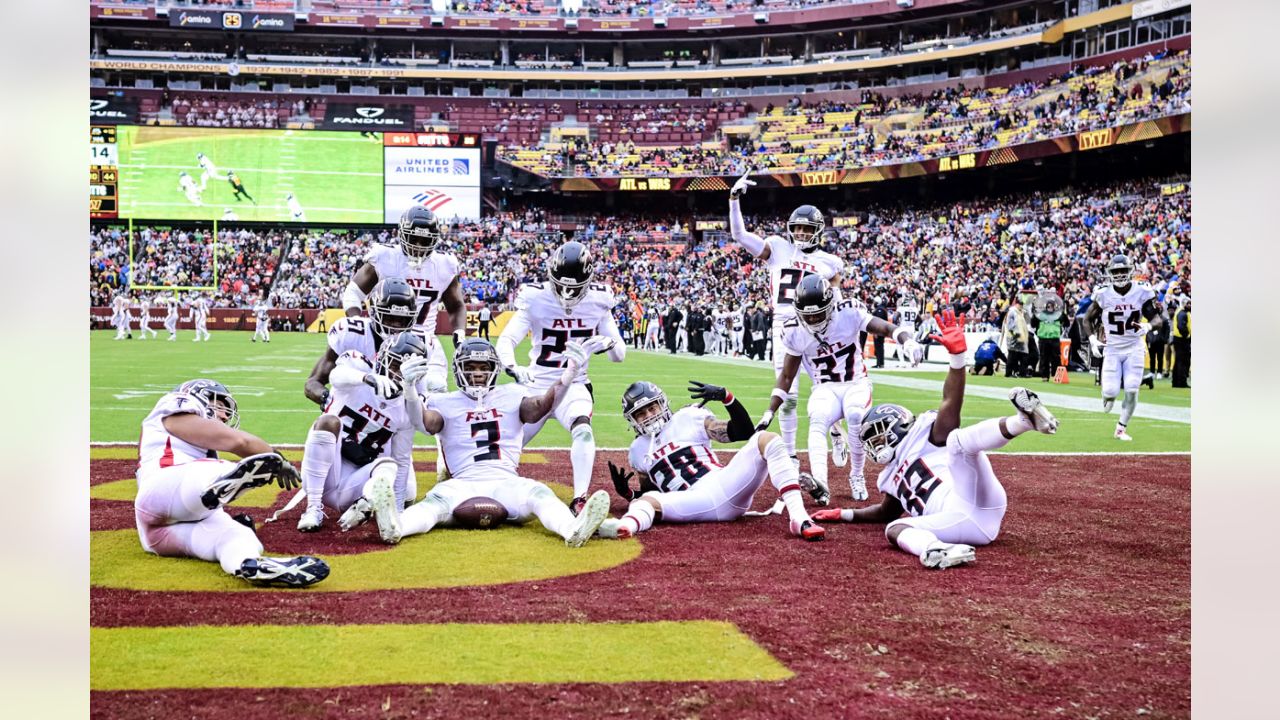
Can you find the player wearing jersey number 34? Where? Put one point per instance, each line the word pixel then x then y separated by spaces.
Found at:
pixel 938 472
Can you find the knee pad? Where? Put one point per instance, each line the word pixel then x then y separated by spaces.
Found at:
pixel 791 403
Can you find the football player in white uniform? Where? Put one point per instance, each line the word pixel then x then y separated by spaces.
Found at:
pixel 200 313
pixel 207 170
pixel 144 321
pixel 825 338
pixel 187 186
pixel 183 486
pixel 171 317
pixel 938 472
pixel 682 481
pixel 480 427
pixel 1128 311
pixel 907 316
pixel 569 308
pixel 120 317
pixel 262 319
pixel 296 213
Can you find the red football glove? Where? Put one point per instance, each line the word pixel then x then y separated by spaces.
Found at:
pixel 952 337
pixel 831 514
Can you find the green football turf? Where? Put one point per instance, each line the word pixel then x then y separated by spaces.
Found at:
pixel 145 658
pixel 127 377
pixel 336 176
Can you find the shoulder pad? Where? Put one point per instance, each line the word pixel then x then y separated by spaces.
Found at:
pixel 355 358
pixel 791 323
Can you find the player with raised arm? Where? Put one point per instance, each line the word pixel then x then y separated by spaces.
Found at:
pixel 262 319
pixel 183 486
pixel 1128 311
pixel 480 428
pixel 938 472
pixel 682 481
pixel 200 314
pixel 569 308
pixel 171 317
pixel 907 316
pixel 825 338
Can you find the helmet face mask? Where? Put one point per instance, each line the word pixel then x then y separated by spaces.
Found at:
pixel 645 407
pixel 393 307
pixel 396 350
pixel 1120 271
pixel 419 233
pixel 884 429
pixel 475 367
pixel 222 406
pixel 570 270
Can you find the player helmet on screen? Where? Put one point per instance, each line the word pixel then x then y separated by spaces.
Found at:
pixel 805 226
pixel 883 429
pixel 419 232
pixel 570 268
pixel 393 306
pixel 1120 271
pixel 815 303
pixel 642 394
pixel 397 349
pixel 475 367
pixel 222 406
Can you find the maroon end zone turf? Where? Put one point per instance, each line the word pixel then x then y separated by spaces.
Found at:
pixel 1080 609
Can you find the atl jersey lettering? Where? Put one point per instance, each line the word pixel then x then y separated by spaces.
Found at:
pixel 1122 313
pixel 157 448
pixel 788 266
pixel 919 476
pixel 481 437
pixel 836 355
pixel 680 455
pixel 429 278
pixel 368 421
pixel 553 327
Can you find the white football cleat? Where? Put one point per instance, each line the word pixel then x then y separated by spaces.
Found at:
pixel 839 447
pixel 609 528
pixel 817 489
pixel 381 493
pixel 589 519
pixel 1122 435
pixel 1029 406
pixel 858 488
pixel 311 520
pixel 356 515
pixel 944 555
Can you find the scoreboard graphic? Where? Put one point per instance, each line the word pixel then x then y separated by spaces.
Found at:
pixel 104 172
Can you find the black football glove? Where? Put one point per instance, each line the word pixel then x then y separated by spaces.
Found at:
pixel 622 482
pixel 706 393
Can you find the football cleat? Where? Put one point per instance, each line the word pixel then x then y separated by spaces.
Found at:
pixel 817 489
pixel 610 529
pixel 858 488
pixel 1121 434
pixel 1106 404
pixel 575 505
pixel 251 472
pixel 356 515
pixel 298 571
pixel 311 520
pixel 381 494
pixel 594 511
pixel 944 555
pixel 808 530
pixel 839 447
pixel 1029 406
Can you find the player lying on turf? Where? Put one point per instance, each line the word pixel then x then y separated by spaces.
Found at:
pixel 682 481
pixel 480 428
pixel 937 472
pixel 363 435
pixel 183 486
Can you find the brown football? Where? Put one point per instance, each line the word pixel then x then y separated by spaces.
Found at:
pixel 479 513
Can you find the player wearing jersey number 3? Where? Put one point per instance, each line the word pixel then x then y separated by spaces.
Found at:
pixel 938 472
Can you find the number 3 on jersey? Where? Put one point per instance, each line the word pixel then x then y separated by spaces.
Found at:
pixel 554 342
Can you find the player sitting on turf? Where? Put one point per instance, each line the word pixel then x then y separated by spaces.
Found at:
pixel 362 436
pixel 183 486
pixel 480 427
pixel 936 471
pixel 681 481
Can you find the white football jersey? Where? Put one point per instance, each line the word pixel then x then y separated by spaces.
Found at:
pixel 187 184
pixel 679 455
pixel 919 476
pixel 260 310
pixel 908 315
pixel 481 437
pixel 788 266
pixel 836 355
pixel 1122 313
pixel 429 278
pixel 201 308
pixel 553 327
pixel 157 448
pixel 368 421
pixel 173 308
pixel 356 334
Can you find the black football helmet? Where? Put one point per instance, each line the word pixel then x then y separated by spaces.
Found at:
pixel 805 226
pixel 393 307
pixel 571 268
pixel 216 396
pixel 419 232
pixel 815 303
pixel 1120 271
pixel 883 429
pixel 396 350
pixel 476 367
pixel 639 395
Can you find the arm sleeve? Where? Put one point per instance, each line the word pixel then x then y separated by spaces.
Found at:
pixel 740 425
pixel 353 296
pixel 751 242
pixel 517 327
pixel 402 451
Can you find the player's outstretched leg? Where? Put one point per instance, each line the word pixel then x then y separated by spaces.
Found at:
pixel 298 571
pixel 319 456
pixel 582 453
pixel 1030 407
pixel 556 517
pixel 380 494
pixel 922 543
pixel 1127 407
pixel 786 478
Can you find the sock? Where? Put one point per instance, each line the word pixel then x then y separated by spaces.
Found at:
pixel 317 461
pixel 817 451
pixel 785 477
pixel 583 455
pixel 1017 424
pixel 420 517
pixel 1127 406
pixel 639 517
pixel 552 513
pixel 983 437
pixel 857 453
pixel 788 422
pixel 916 541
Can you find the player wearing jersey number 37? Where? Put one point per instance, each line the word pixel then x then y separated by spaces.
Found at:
pixel 938 472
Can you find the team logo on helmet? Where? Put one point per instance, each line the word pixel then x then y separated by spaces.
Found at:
pixel 393 307
pixel 570 269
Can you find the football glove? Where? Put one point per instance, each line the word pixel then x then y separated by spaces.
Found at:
pixel 622 482
pixel 706 393
pixel 740 187
pixel 414 369
pixel 913 350
pixel 765 421
pixel 952 337
pixel 597 344
pixel 520 374
pixel 458 337
pixel 575 358
pixel 385 387
pixel 289 479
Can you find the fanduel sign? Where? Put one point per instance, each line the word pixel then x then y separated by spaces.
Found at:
pixel 113 111
pixel 343 116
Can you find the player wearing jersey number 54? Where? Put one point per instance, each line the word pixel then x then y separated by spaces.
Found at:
pixel 937 472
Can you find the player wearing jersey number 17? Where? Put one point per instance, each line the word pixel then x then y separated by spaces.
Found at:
pixel 938 472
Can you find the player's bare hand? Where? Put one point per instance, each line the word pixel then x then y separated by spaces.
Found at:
pixel 740 187
pixel 952 337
